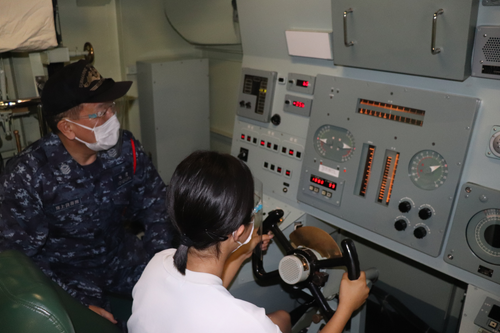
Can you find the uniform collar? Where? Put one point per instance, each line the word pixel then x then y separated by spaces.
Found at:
pixel 60 159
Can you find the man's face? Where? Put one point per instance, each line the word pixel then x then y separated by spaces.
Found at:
pixel 93 115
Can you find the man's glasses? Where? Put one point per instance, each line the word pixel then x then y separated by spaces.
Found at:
pixel 109 107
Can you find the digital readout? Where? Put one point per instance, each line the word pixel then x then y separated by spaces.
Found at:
pixel 298 104
pixel 303 83
pixel 324 182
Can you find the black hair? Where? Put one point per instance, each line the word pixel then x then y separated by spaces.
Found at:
pixel 210 196
pixel 52 120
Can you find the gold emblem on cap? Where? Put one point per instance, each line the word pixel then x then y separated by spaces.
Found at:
pixel 90 75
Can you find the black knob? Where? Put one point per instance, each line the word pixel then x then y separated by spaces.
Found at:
pixel 276 119
pixel 242 103
pixel 425 213
pixel 404 207
pixel 400 225
pixel 420 232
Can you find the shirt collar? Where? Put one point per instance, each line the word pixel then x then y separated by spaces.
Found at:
pixel 59 158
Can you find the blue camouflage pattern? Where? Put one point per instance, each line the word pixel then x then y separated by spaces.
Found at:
pixel 70 218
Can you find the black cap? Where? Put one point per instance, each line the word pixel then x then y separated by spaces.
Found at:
pixel 79 83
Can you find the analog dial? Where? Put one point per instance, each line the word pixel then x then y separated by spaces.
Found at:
pixel 334 143
pixel 483 235
pixel 428 170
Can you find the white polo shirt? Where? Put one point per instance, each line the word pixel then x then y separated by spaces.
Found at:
pixel 167 301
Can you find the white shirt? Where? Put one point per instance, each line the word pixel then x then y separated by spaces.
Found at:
pixel 167 301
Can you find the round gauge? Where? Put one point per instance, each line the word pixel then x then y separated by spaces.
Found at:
pixel 483 235
pixel 334 143
pixel 428 170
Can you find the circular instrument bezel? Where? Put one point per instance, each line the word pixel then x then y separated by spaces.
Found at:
pixel 331 141
pixel 476 238
pixel 425 176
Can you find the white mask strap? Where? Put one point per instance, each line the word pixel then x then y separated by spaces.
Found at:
pixel 86 127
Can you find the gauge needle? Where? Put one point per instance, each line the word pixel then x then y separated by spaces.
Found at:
pixel 434 168
pixel 322 140
pixel 345 146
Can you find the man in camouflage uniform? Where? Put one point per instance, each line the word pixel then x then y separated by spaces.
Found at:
pixel 64 200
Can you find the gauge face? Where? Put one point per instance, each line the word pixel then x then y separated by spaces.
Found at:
pixel 483 235
pixel 334 143
pixel 428 170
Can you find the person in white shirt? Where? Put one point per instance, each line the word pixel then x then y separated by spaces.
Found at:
pixel 211 204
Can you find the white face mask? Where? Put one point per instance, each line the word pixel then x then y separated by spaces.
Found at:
pixel 245 242
pixel 106 135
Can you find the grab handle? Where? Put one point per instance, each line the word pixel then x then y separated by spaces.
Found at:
pixel 346 43
pixel 434 49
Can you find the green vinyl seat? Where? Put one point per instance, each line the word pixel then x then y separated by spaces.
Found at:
pixel 32 302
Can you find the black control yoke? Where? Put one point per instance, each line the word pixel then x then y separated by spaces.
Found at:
pixel 349 259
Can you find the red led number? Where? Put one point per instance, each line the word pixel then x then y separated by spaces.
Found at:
pixel 298 104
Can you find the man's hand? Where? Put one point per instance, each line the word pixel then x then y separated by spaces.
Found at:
pixel 103 313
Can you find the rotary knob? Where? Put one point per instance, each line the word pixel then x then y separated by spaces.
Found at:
pixel 404 207
pixel 420 232
pixel 425 213
pixel 276 119
pixel 400 225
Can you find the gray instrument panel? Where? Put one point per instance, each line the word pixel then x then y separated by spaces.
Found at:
pixel 474 243
pixel 387 158
pixel 489 315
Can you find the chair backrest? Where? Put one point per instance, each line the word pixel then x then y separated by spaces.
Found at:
pixel 31 302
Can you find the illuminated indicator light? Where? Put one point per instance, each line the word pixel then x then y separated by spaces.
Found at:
pixel 322 182
pixel 269 144
pixel 391 109
pixel 388 177
pixel 298 104
pixel 303 83
pixel 249 138
pixel 279 169
pixel 367 171
pixel 290 152
pixel 243 137
pixel 262 142
pixel 391 185
pixel 288 173
pixel 385 176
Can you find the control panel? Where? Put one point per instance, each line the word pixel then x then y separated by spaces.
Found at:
pixel 488 316
pixel 474 243
pixel 481 312
pixel 256 94
pixel 387 158
pixel 274 157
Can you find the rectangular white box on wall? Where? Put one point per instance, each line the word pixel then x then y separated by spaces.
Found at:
pixel 311 44
pixel 174 110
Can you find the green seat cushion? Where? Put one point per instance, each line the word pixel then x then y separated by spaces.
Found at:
pixel 31 302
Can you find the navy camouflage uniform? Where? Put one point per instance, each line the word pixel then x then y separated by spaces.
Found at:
pixel 70 218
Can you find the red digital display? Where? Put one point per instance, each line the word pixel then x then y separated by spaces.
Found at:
pixel 324 182
pixel 303 83
pixel 298 104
